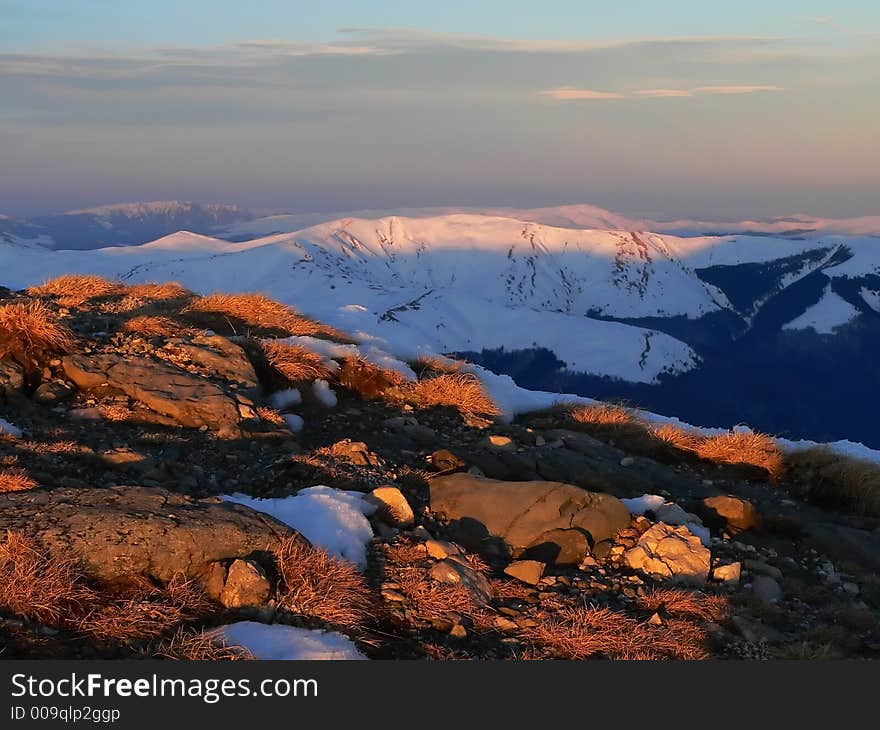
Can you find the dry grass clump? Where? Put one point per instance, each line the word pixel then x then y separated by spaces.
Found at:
pixel 295 363
pixel 588 632
pixel 71 290
pixel 144 611
pixel 152 326
pixel 159 292
pixel 313 584
pixel 194 645
pixel 51 590
pixel 675 437
pixel 436 364
pixel 462 391
pixel 369 381
pixel 15 480
pixel 258 315
pixel 270 415
pixel 603 414
pixel 429 599
pixel 685 604
pixel 38 587
pixel 755 449
pixel 30 334
pixel 826 477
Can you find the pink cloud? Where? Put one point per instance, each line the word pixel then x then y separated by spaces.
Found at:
pixel 572 93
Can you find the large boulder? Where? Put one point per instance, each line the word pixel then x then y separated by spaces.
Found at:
pixel 187 399
pixel 527 514
pixel 123 531
pixel 670 552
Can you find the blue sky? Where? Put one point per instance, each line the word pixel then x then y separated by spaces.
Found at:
pixel 676 108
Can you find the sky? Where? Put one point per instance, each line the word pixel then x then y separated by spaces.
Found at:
pixel 670 109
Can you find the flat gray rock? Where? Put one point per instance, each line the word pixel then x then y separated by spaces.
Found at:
pixel 124 531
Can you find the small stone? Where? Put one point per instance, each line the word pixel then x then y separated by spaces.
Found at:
pixel 393 596
pixel 766 589
pixel 500 442
pixel 458 632
pixel 655 620
pixel 627 461
pixel 246 585
pixel 53 393
pixel 851 588
pixel 540 441
pixel 440 549
pixel 527 571
pixel 504 624
pixel 761 568
pixel 392 506
pixel 731 513
pixel 728 574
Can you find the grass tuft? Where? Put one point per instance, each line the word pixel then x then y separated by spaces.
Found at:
pixel 72 290
pixel 15 480
pixel 462 391
pixel 315 585
pixel 30 334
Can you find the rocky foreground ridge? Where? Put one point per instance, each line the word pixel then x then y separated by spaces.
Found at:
pixel 164 459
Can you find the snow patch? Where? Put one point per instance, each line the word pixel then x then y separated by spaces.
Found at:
pixel 829 313
pixel 280 642
pixel 8 430
pixel 324 394
pixel 334 520
pixel 285 399
pixel 294 422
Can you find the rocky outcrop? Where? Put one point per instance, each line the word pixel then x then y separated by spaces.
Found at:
pixel 187 399
pixel 527 514
pixel 123 531
pixel 222 359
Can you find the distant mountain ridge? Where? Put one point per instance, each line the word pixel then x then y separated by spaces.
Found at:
pixel 782 333
pixel 136 223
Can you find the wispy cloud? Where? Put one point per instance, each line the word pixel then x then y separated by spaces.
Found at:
pixel 664 93
pixel 736 89
pixel 572 93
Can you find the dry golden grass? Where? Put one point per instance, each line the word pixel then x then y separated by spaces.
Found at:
pixel 193 645
pixel 675 437
pixel 294 363
pixel 256 314
pixel 604 414
pixel 584 633
pixel 52 590
pixel 684 604
pixel 438 365
pixel 15 480
pixel 428 599
pixel 755 449
pixel 270 415
pixel 114 412
pixel 462 391
pixel 38 587
pixel 159 292
pixel 71 290
pixel 30 334
pixel 366 379
pixel 825 477
pixel 143 611
pixel 313 584
pixel 152 326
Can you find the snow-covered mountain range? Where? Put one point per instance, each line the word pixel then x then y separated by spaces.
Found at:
pixel 716 329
